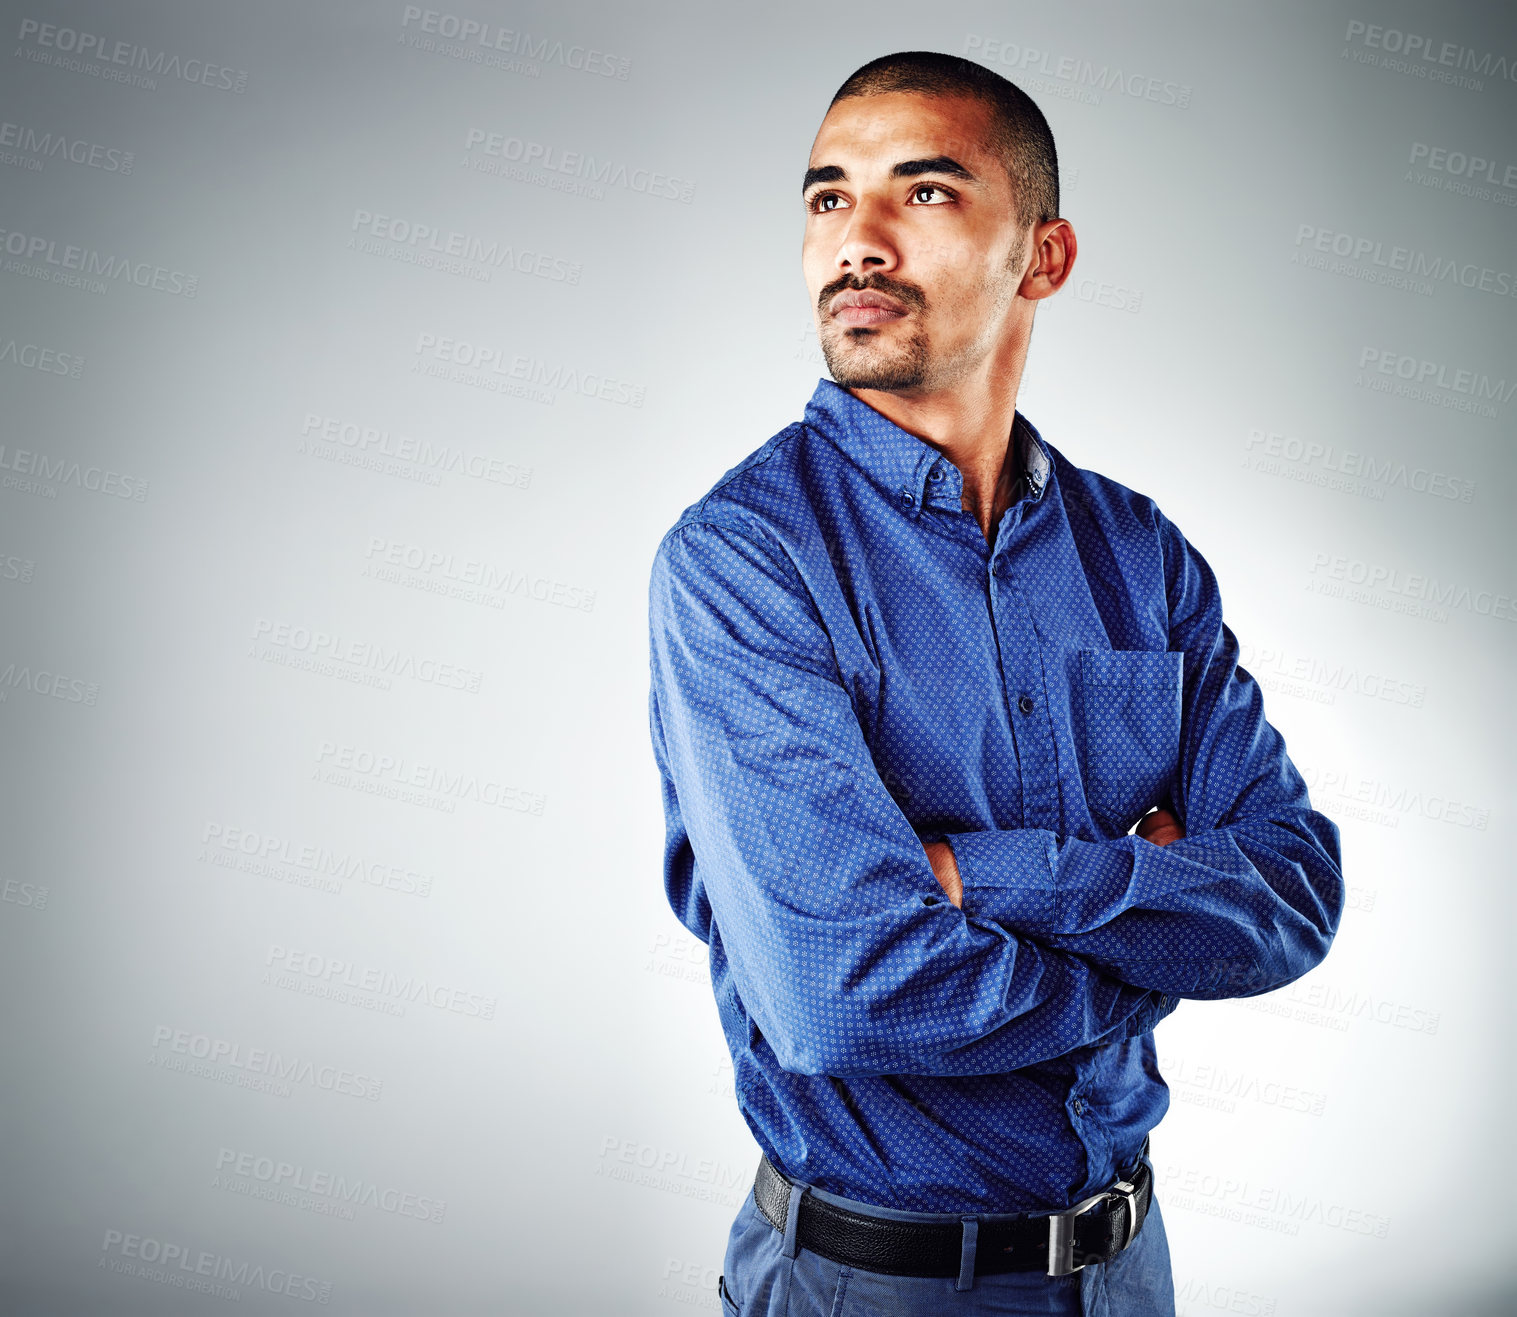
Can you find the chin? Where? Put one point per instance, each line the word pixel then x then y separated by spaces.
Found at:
pixel 868 366
pixel 879 382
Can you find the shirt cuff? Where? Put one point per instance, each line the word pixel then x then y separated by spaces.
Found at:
pixel 1008 876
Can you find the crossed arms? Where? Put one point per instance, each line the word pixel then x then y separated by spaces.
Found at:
pixel 829 906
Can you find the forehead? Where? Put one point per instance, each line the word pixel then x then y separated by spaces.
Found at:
pixel 891 126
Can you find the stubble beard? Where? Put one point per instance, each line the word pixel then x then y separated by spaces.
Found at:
pixel 857 359
pixel 861 359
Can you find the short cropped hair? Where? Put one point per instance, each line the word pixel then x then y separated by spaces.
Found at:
pixel 1019 132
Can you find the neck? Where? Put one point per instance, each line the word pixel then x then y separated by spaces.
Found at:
pixel 970 424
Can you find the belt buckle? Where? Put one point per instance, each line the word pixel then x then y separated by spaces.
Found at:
pixel 1061 1227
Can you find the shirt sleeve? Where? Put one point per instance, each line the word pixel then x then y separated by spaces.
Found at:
pixel 1247 902
pixel 842 946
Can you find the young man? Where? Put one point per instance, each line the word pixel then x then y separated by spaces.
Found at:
pixel 915 678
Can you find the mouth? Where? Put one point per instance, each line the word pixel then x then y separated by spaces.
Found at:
pixel 865 308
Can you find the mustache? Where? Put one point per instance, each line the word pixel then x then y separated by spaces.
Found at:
pixel 908 295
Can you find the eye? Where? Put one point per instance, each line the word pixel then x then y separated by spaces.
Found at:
pixel 819 202
pixel 929 189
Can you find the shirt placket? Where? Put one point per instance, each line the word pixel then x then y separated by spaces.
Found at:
pixel 1013 578
pixel 1023 676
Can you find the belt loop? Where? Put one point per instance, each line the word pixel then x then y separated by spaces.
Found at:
pixel 967 1251
pixel 793 1217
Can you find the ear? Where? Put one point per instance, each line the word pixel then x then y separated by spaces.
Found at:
pixel 1054 249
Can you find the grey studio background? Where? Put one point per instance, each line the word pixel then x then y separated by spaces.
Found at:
pixel 354 359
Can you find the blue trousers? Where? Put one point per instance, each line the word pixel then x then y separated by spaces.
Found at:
pixel 759 1280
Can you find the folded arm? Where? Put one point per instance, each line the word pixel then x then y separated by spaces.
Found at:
pixel 1246 901
pixel 841 943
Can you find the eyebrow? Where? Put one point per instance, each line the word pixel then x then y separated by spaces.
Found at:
pixel 938 164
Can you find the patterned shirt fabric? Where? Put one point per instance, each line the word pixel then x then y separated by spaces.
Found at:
pixel 842 668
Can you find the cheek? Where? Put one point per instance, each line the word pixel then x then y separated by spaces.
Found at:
pixel 959 302
pixel 967 292
pixel 814 265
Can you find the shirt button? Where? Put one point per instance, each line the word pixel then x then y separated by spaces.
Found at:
pixel 907 497
pixel 1025 704
pixel 935 474
pixel 1079 1106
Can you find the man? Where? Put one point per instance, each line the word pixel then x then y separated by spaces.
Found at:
pixel 915 678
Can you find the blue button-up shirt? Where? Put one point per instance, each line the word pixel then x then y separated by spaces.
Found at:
pixel 843 668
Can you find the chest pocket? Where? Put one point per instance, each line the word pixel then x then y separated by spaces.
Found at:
pixel 1130 701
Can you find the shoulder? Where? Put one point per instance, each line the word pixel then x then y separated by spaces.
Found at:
pixel 727 566
pixel 1119 519
pixel 1099 498
pixel 762 498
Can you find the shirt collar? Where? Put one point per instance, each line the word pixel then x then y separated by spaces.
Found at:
pixel 910 472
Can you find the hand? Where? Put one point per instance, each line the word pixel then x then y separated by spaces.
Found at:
pixel 946 869
pixel 1160 827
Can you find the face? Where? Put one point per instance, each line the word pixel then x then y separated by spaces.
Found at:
pixel 912 255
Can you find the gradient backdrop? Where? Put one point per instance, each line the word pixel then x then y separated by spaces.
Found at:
pixel 355 357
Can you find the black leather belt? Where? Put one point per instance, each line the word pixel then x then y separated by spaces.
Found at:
pixel 1095 1229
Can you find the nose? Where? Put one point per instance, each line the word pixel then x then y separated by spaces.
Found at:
pixel 867 244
